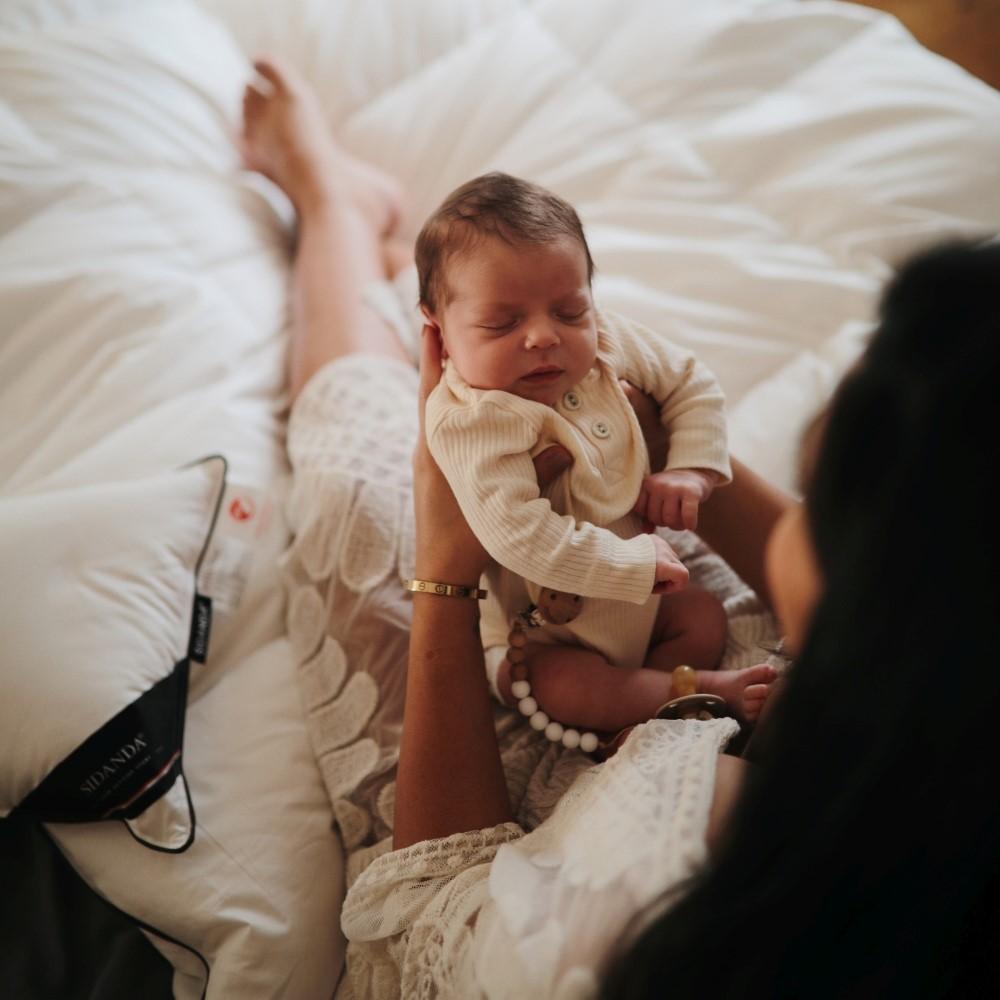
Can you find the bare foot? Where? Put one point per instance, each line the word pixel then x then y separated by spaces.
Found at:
pixel 744 691
pixel 286 138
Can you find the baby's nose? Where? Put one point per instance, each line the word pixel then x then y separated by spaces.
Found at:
pixel 541 333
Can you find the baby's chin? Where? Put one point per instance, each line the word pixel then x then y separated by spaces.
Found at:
pixel 544 394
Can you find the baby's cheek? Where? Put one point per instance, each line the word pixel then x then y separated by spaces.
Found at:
pixel 497 368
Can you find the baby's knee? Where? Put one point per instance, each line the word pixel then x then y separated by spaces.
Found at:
pixel 706 627
pixel 710 625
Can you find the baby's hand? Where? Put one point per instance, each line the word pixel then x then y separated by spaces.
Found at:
pixel 671 573
pixel 671 498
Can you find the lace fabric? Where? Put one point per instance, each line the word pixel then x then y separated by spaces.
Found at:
pixel 496 913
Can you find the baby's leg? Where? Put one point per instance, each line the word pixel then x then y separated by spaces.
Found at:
pixel 580 688
pixel 691 628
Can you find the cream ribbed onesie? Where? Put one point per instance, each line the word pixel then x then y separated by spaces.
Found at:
pixel 580 535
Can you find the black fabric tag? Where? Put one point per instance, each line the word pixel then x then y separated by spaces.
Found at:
pixel 201 627
pixel 124 767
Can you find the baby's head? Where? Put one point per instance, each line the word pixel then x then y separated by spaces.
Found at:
pixel 505 276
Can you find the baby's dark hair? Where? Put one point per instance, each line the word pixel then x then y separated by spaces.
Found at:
pixel 495 204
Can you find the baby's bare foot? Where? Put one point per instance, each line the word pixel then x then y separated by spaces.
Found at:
pixel 286 138
pixel 744 691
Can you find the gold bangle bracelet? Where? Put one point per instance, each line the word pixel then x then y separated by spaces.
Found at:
pixel 444 589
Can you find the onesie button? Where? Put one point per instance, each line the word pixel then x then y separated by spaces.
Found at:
pixel 571 401
pixel 601 429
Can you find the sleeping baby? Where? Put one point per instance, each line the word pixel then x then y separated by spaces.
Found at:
pixel 505 277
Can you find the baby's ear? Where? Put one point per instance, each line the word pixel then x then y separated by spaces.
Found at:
pixel 431 320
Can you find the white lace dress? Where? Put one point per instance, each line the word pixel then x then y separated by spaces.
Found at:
pixel 528 909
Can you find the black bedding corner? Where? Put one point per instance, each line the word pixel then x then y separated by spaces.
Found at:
pixel 58 939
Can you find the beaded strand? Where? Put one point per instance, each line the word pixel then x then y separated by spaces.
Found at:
pixel 521 689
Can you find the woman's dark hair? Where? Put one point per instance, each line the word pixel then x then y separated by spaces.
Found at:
pixel 863 859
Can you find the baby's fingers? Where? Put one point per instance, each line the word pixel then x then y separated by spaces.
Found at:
pixel 670 511
pixel 689 513
pixel 670 578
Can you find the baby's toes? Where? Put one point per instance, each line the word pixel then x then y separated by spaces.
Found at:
pixel 763 674
pixel 754 696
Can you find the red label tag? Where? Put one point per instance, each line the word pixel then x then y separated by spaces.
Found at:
pixel 242 508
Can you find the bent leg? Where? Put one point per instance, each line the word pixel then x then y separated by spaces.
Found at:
pixel 346 210
pixel 690 628
pixel 579 688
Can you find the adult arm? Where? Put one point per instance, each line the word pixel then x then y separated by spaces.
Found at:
pixel 449 777
pixel 737 519
pixel 691 403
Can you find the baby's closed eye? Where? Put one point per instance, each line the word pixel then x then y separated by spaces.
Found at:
pixel 500 325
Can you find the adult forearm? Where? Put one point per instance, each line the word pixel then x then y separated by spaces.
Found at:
pixel 450 777
pixel 737 521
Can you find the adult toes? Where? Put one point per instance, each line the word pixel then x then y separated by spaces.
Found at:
pixel 272 72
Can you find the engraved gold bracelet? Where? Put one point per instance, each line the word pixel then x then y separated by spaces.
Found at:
pixel 444 589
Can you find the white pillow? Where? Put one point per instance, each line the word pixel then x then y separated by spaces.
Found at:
pixel 101 619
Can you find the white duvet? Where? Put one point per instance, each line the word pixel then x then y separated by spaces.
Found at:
pixel 748 172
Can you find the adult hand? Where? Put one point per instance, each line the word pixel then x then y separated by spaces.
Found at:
pixel 647 412
pixel 555 460
pixel 446 548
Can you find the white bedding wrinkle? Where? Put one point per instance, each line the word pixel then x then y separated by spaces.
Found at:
pixel 749 172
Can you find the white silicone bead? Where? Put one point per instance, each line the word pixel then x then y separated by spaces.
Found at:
pixel 539 721
pixel 571 739
pixel 554 732
pixel 520 689
pixel 527 706
pixel 588 743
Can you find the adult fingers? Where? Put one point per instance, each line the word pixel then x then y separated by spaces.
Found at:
pixel 551 464
pixel 430 366
pixel 647 412
pixel 271 72
pixel 642 504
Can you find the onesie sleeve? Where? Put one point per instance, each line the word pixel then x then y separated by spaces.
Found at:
pixel 483 450
pixel 692 405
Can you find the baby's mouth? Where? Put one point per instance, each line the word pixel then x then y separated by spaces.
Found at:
pixel 543 374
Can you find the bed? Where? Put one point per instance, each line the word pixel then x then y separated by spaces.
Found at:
pixel 748 171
